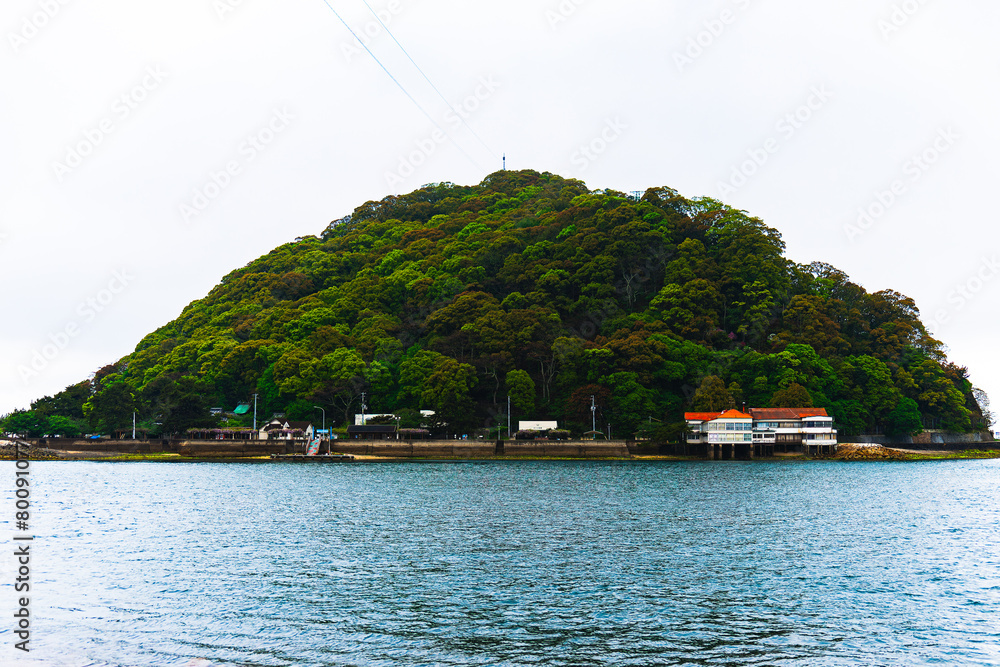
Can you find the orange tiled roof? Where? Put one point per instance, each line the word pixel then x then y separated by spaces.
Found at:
pixel 711 416
pixel 701 416
pixel 811 412
pixel 758 413
pixel 734 414
pixel 787 413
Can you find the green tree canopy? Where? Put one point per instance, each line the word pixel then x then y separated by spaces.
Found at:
pixel 521 389
pixel 792 396
pixel 431 299
pixel 712 396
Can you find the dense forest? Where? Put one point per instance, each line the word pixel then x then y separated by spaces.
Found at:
pixel 531 286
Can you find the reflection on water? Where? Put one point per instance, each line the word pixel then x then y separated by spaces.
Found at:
pixel 500 563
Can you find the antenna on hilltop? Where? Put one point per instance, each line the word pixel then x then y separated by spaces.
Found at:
pixel 505 162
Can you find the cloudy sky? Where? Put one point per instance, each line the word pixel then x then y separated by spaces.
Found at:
pixel 151 148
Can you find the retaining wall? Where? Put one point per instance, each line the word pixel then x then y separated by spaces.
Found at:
pixel 220 448
pixel 928 440
pixel 403 449
pixel 467 449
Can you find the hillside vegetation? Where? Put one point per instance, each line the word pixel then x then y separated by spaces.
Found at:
pixel 451 298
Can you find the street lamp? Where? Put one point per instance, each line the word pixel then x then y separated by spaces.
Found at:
pixel 255 415
pixel 509 437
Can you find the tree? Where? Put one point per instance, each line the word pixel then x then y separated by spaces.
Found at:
pixel 757 306
pixel 792 396
pixel 736 392
pixel 184 404
pixel 338 379
pixel 983 401
pixel 380 381
pixel 521 389
pixel 939 399
pixel 578 406
pixel 807 322
pixel 64 426
pixel 413 374
pixel 239 371
pixel 67 403
pixel 671 433
pixel 873 385
pixel 301 410
pixel 631 402
pixel 28 423
pixel 712 396
pixel 691 310
pixel 904 418
pixel 448 391
pixel 850 417
pixel 111 409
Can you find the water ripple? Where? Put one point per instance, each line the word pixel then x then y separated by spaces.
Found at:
pixel 535 563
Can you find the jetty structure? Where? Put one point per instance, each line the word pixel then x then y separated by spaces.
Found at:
pixel 762 432
pixel 315 458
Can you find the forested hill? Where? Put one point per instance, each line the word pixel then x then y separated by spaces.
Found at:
pixel 450 298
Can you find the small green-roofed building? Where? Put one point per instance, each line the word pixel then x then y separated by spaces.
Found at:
pixel 242 409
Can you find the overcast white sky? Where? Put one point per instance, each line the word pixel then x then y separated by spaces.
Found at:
pixel 121 119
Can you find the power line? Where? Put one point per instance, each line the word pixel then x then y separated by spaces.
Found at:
pixel 424 74
pixel 396 81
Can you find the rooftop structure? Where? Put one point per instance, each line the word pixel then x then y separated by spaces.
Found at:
pixel 283 429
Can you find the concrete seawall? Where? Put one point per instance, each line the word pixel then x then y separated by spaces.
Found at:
pixel 466 449
pixel 931 440
pixel 401 449
pixel 220 448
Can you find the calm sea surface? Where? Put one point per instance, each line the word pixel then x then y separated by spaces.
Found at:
pixel 501 563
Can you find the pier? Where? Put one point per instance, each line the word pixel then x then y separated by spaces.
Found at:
pixel 318 458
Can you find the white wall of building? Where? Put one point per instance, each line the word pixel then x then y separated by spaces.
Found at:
pixel 536 426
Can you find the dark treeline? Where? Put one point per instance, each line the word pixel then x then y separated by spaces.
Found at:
pixel 451 298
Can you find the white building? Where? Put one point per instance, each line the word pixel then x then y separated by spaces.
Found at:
pixel 364 419
pixel 719 427
pixel 536 426
pixel 793 426
pixel 282 429
pixel 767 427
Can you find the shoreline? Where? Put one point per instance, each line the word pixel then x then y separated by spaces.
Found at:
pixel 192 452
pixel 894 455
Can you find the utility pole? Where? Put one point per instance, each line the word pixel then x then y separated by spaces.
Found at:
pixel 508 417
pixel 593 414
pixel 133 424
pixel 255 415
pixel 364 409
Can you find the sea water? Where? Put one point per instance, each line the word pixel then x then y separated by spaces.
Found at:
pixel 507 563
